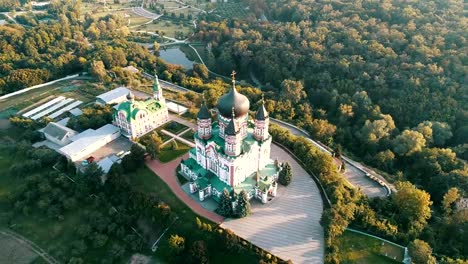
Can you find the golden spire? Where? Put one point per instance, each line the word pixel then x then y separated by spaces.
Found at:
pixel 233 75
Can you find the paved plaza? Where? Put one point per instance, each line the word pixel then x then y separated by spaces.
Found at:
pixel 288 226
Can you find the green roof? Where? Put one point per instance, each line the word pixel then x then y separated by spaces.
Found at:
pixel 219 142
pixel 261 113
pixel 204 113
pixel 132 108
pixel 195 167
pixel 193 151
pixel 219 184
pixel 156 86
pixel 202 183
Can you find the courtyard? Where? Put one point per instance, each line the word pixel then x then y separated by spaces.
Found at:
pixel 288 226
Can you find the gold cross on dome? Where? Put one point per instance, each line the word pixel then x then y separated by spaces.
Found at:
pixel 233 75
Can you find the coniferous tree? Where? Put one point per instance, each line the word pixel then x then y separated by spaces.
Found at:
pixel 243 205
pixel 225 206
pixel 285 175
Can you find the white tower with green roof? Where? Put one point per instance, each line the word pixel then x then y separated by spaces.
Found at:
pixel 157 90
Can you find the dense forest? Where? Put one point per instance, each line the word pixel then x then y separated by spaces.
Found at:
pixel 383 80
pixel 65 44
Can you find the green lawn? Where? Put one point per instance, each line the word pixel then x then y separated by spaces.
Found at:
pixel 167 153
pixel 166 27
pixel 357 248
pixel 188 135
pixel 174 127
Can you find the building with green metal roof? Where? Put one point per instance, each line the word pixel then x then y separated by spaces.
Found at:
pixel 135 118
pixel 232 152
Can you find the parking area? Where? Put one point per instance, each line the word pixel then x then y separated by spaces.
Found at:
pixel 120 145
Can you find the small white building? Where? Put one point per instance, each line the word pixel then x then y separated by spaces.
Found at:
pixel 115 96
pixel 89 141
pixel 176 108
pixel 58 133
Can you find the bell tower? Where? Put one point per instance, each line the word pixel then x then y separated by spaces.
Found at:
pixel 204 122
pixel 157 90
pixel 262 121
pixel 232 144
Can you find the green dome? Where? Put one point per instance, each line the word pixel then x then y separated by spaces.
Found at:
pixel 232 128
pixel 262 113
pixel 203 113
pixel 233 99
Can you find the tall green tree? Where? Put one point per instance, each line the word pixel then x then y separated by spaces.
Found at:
pixel 243 205
pixel 414 207
pixel 285 175
pixel 225 205
pixel 421 252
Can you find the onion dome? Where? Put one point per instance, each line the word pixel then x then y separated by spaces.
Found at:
pixel 203 113
pixel 238 103
pixel 232 129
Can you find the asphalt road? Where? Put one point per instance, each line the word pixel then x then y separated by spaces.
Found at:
pixel 356 176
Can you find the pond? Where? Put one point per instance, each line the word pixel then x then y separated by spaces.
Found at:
pixel 175 56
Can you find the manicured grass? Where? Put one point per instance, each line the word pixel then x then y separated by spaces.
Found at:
pixel 167 153
pixel 357 248
pixel 188 135
pixel 174 127
pixel 7 181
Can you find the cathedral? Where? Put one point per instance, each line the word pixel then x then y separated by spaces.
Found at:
pixel 136 118
pixel 232 153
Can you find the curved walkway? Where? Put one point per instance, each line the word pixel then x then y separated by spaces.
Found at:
pixel 288 226
pixel 166 171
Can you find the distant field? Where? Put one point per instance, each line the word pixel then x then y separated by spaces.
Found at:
pixel 357 248
pixel 231 10
pixel 168 27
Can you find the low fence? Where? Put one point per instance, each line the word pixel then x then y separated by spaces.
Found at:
pixel 406 257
